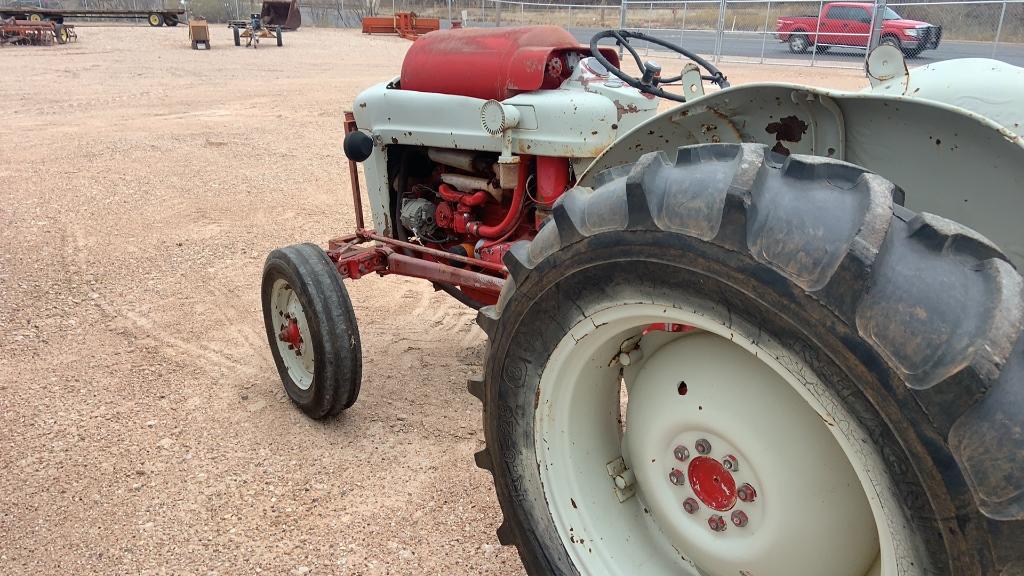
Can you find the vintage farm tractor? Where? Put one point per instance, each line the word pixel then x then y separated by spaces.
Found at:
pixel 743 336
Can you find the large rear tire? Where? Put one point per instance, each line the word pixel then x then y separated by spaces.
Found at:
pixel 312 330
pixel 854 369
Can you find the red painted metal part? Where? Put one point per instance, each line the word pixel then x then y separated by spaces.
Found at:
pixel 353 261
pixel 353 172
pixel 712 483
pixel 290 334
pixel 552 179
pixel 406 24
pixel 492 63
pixel 419 268
pixel 514 211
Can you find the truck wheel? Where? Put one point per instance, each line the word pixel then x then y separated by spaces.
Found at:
pixel 798 43
pixel 156 20
pixel 312 330
pixel 891 41
pixel 238 38
pixel 734 362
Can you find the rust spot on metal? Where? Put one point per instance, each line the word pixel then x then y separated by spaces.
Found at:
pixel 790 129
pixel 621 110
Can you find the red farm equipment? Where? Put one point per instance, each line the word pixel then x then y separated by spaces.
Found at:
pixel 741 336
pixel 406 24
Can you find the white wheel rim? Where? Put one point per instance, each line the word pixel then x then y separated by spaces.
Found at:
pixel 576 435
pixel 294 342
pixel 797 42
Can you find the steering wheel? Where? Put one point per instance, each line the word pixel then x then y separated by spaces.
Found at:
pixel 652 72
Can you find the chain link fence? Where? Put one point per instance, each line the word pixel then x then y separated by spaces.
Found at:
pixel 738 30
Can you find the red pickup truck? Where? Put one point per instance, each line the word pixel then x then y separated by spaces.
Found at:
pixel 848 25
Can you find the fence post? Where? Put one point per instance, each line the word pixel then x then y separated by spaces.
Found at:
pixel 622 21
pixel 683 29
pixel 817 31
pixel 764 31
pixel 522 14
pixel 877 21
pixel 999 29
pixel 497 13
pixel 720 37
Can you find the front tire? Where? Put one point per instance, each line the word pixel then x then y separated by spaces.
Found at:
pixel 890 343
pixel 312 330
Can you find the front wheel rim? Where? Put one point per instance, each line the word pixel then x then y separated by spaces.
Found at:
pixel 671 525
pixel 293 339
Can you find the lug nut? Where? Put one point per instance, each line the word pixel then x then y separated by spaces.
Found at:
pixel 703 446
pixel 691 506
pixel 739 518
pixel 675 476
pixel 682 453
pixel 717 523
pixel 731 463
pixel 746 493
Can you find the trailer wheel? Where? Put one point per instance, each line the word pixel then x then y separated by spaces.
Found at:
pixel 35 17
pixel 156 20
pixel 280 36
pixel 236 35
pixel 312 330
pixel 171 20
pixel 61 34
pixel 734 362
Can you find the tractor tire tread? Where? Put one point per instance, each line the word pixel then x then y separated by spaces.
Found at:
pixel 935 299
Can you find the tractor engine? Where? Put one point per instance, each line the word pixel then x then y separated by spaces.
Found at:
pixel 467 151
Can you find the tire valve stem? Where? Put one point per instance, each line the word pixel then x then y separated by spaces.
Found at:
pixel 717 523
pixel 691 506
pixel 675 476
pixel 703 446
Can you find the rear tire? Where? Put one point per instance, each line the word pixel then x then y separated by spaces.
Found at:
pixel 901 330
pixel 312 330
pixel 821 49
pixel 171 21
pixel 798 43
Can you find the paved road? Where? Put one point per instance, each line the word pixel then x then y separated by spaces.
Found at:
pixel 749 46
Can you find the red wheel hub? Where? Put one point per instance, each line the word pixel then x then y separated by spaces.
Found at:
pixel 712 483
pixel 290 334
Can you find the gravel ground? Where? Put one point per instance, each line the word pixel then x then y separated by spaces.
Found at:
pixel 143 428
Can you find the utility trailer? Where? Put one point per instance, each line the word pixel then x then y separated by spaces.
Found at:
pixel 161 17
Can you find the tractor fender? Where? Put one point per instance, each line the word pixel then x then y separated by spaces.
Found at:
pixel 946 159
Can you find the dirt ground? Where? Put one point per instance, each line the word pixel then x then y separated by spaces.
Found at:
pixel 143 428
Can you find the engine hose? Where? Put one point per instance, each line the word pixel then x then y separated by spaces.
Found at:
pixel 508 223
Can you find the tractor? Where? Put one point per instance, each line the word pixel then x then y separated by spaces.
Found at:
pixel 772 330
